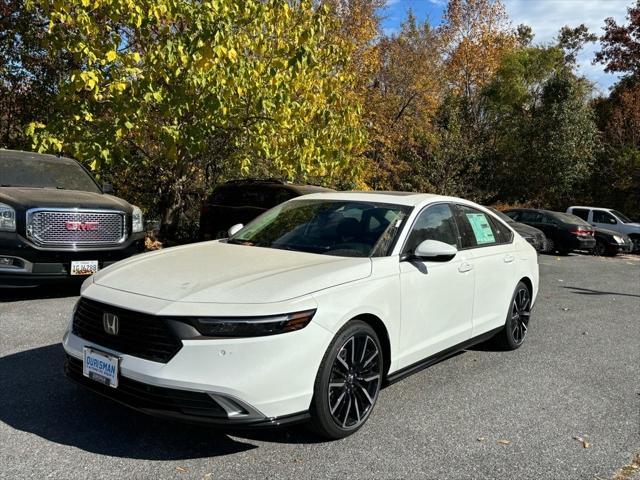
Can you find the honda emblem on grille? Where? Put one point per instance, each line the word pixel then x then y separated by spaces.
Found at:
pixel 111 323
pixel 74 226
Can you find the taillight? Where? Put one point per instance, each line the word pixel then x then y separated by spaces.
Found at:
pixel 583 231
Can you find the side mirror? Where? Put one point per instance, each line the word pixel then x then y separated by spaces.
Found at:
pixel 434 250
pixel 107 188
pixel 235 229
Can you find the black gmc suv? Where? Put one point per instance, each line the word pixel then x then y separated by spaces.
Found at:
pixel 57 223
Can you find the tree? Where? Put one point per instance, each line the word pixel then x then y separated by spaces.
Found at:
pixel 621 44
pixel 179 88
pixel 544 129
pixel 28 74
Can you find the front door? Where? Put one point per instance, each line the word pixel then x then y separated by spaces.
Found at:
pixel 436 296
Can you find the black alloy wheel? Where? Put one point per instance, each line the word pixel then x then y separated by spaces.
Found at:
pixel 348 382
pixel 516 326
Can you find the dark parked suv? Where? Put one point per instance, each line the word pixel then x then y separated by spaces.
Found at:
pixel 240 201
pixel 57 223
pixel 564 232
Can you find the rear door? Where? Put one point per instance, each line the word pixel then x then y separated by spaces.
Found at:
pixel 491 246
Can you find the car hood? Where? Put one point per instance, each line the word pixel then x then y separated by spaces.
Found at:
pixel 26 198
pixel 217 272
pixel 606 231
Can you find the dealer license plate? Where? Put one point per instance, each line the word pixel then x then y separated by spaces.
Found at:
pixel 100 367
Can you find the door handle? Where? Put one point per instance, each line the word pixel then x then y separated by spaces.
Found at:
pixel 508 258
pixel 465 267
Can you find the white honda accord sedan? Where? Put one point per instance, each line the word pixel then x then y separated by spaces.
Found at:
pixel 305 313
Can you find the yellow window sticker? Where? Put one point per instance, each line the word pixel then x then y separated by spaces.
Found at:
pixel 481 228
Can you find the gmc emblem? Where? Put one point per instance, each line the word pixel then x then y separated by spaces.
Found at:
pixel 81 226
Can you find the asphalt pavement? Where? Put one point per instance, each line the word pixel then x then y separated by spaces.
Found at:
pixel 564 406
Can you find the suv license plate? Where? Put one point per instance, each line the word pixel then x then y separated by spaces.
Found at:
pixel 84 267
pixel 101 367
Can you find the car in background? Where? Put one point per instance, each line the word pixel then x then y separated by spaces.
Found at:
pixel 57 223
pixel 565 232
pixel 305 313
pixel 532 235
pixel 609 219
pixel 240 201
pixel 609 243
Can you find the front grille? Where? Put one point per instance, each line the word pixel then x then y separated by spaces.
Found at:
pixel 149 397
pixel 139 334
pixel 71 228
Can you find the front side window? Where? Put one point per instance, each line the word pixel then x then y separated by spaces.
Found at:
pixel 600 216
pixel 434 223
pixel 332 227
pixel 476 228
pixel 622 217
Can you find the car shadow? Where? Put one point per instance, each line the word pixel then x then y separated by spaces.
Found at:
pixel 588 291
pixel 18 294
pixel 37 398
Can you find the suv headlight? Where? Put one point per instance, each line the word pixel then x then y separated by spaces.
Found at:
pixel 252 326
pixel 7 218
pixel 137 221
pixel 618 239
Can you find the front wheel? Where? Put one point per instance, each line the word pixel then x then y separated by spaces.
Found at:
pixel 517 323
pixel 348 382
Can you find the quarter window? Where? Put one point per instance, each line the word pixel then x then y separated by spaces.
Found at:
pixel 434 223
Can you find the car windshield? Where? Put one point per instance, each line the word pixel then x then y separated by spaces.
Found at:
pixel 502 216
pixel 623 218
pixel 568 218
pixel 44 172
pixel 332 227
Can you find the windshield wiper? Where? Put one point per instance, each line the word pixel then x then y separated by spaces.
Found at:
pixel 241 242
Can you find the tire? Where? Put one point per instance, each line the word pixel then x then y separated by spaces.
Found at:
pixel 599 250
pixel 550 247
pixel 516 325
pixel 348 382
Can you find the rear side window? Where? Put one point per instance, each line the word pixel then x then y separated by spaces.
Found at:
pixel 530 217
pixel 433 223
pixel 476 228
pixel 251 196
pixel 583 213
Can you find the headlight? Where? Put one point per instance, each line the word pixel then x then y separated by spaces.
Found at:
pixel 137 223
pixel 252 326
pixel 7 218
pixel 618 239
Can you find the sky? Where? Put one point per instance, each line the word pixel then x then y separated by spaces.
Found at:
pixel 545 17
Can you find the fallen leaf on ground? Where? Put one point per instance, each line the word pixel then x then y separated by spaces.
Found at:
pixel 481 439
pixel 182 469
pixel 585 444
pixel 504 442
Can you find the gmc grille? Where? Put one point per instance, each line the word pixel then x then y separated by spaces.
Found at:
pixel 76 229
pixel 139 334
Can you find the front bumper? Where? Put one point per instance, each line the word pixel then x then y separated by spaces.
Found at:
pixel 35 265
pixel 270 378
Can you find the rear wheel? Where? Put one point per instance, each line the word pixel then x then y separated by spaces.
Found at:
pixel 517 323
pixel 348 382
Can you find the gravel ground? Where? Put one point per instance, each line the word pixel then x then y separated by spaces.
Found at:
pixel 483 414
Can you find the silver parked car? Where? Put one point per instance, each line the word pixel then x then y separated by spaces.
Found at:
pixel 609 219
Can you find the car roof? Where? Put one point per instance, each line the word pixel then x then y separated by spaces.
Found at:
pixel 399 198
pixel 591 208
pixel 22 155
